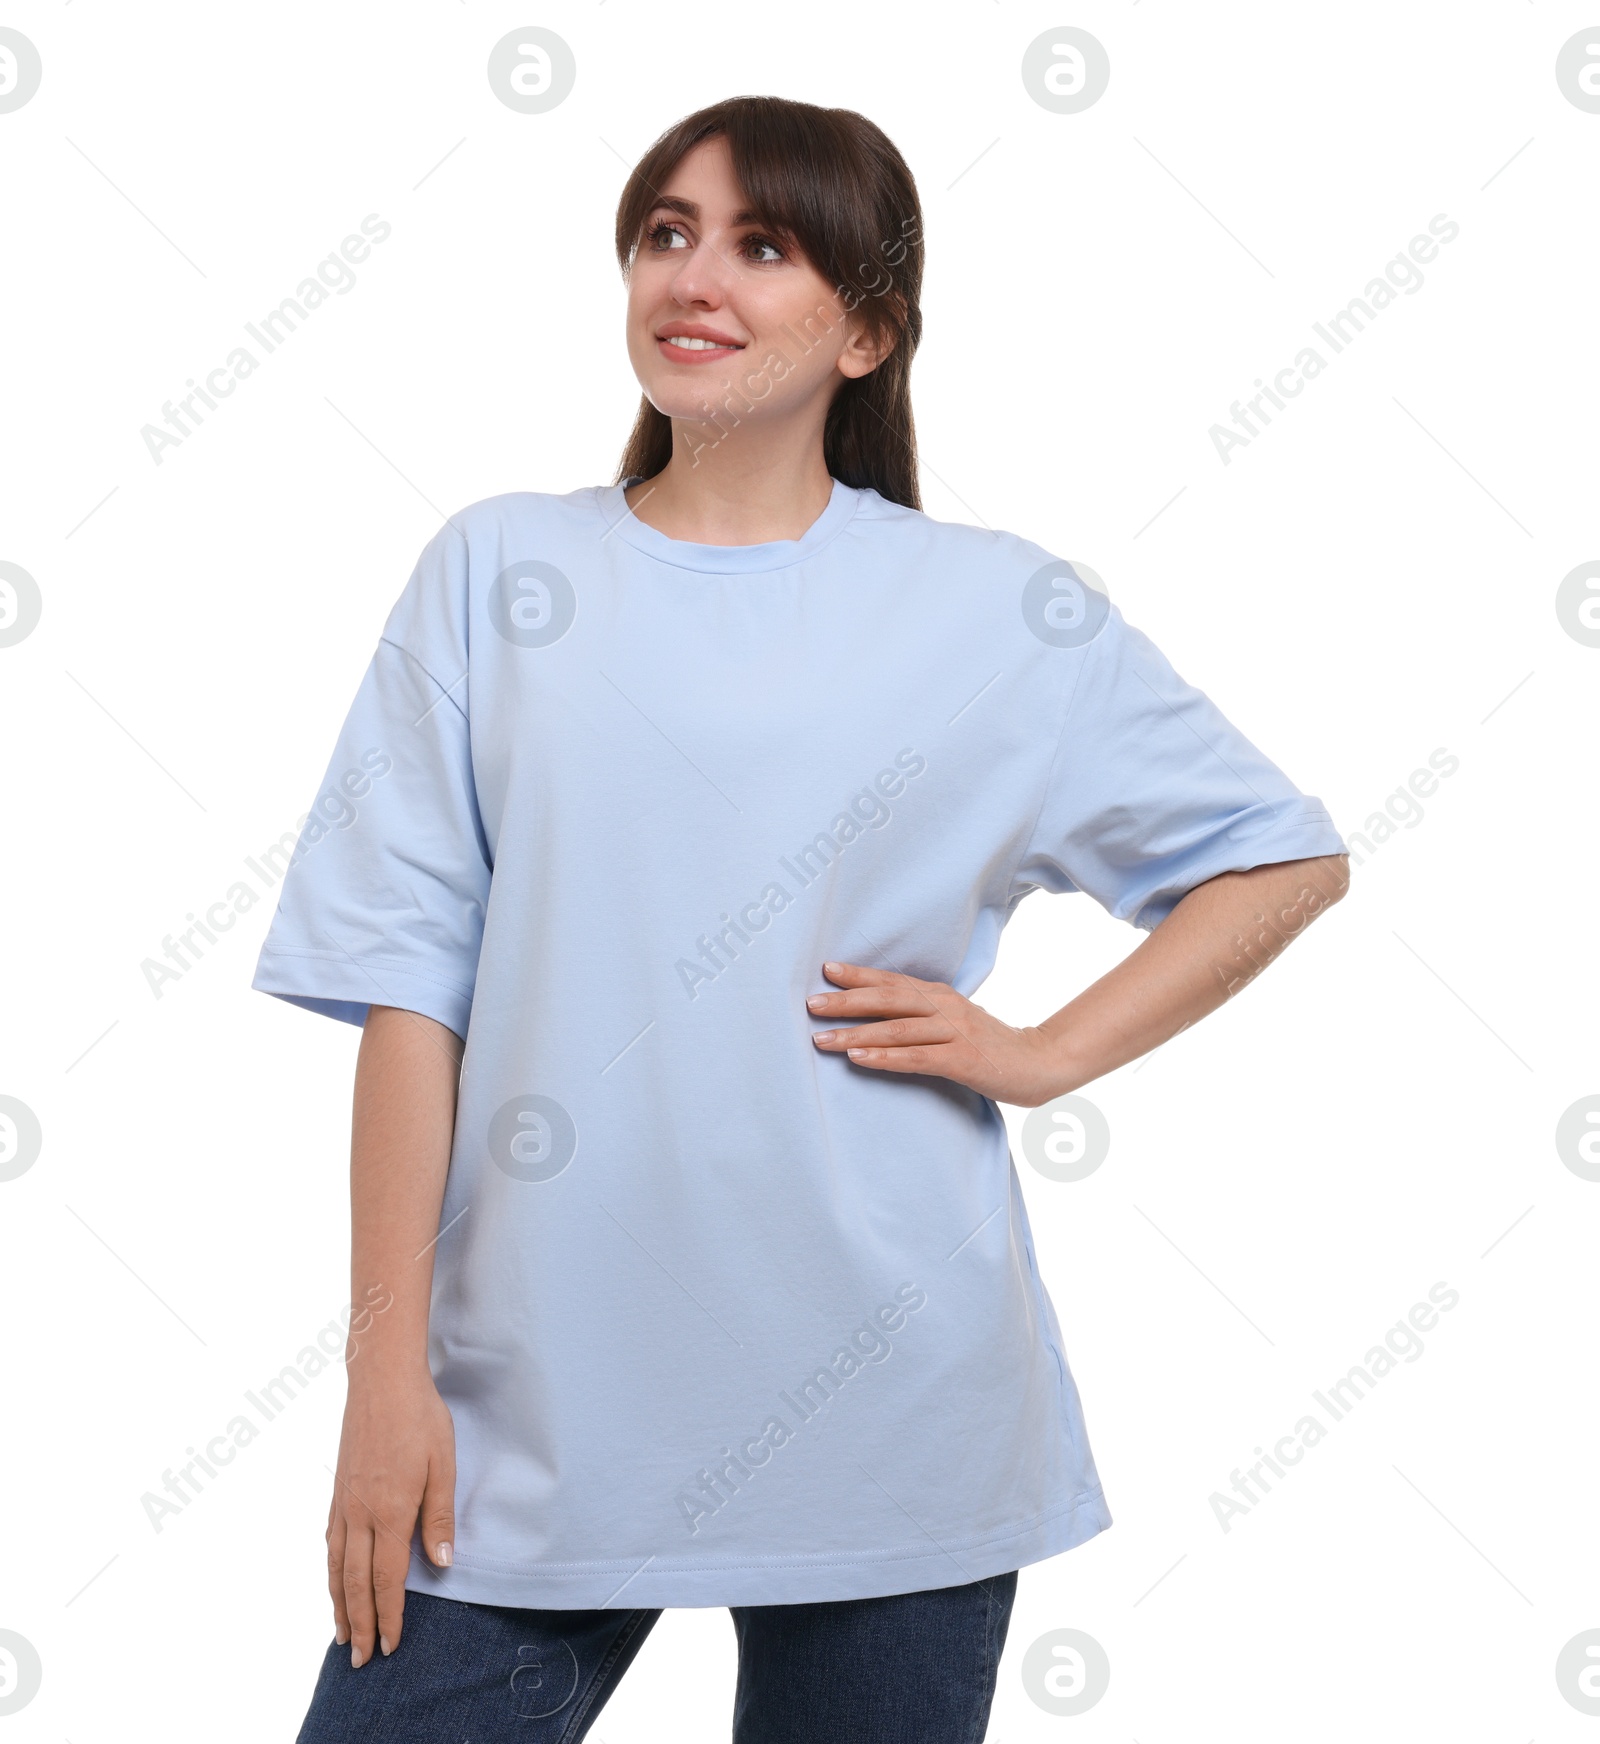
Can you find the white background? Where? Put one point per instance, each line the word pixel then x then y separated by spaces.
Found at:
pixel 1373 578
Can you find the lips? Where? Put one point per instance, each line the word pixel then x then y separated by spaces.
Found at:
pixel 714 343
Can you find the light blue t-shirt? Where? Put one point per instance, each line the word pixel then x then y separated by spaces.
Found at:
pixel 722 1319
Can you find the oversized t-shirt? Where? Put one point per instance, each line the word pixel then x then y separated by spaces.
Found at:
pixel 723 1319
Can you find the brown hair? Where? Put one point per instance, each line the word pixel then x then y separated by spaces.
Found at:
pixel 833 184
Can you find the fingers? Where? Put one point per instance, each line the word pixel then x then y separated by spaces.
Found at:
pixel 391 1559
pixel 897 1032
pixel 855 974
pixel 360 1607
pixel 396 1472
pixel 368 1578
pixel 884 994
pixel 928 1027
pixel 439 1511
pixel 917 1035
pixel 938 1062
pixel 336 1542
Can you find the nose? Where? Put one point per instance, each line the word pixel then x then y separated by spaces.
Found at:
pixel 703 278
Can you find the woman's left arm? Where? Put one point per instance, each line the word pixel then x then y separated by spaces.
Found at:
pixel 1219 937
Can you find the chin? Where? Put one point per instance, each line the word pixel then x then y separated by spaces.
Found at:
pixel 698 405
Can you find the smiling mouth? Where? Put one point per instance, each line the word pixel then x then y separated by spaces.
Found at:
pixel 680 343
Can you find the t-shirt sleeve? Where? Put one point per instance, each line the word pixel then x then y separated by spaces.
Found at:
pixel 1153 790
pixel 383 902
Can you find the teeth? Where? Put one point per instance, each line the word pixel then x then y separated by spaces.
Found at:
pixel 696 344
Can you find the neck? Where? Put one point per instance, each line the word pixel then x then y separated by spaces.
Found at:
pixel 727 487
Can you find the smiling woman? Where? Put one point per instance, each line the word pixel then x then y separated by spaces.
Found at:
pixel 774 257
pixel 619 1220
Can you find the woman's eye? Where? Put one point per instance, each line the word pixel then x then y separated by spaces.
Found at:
pixel 657 231
pixel 775 253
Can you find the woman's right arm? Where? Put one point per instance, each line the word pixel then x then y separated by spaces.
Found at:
pixel 397 1447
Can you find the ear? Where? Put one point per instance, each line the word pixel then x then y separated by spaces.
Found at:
pixel 862 354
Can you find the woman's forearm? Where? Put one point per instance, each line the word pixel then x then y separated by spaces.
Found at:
pixel 407 1076
pixel 1222 934
pixel 397 1445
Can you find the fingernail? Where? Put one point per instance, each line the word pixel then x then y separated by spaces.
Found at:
pixel 444 1556
pixel 830 967
pixel 339 1638
pixel 383 1642
pixel 825 1035
pixel 817 1001
pixel 355 1655
pixel 855 1053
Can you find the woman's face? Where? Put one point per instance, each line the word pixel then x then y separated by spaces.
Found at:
pixel 769 337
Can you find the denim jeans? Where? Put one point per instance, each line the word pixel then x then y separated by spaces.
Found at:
pixel 913 1668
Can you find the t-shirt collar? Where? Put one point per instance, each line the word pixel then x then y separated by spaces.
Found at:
pixel 622 523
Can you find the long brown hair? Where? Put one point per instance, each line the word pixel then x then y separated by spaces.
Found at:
pixel 833 184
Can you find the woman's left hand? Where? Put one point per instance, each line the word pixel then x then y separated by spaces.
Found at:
pixel 930 1028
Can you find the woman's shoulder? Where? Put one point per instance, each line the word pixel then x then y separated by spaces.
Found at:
pixel 519 511
pixel 470 548
pixel 984 576
pixel 994 550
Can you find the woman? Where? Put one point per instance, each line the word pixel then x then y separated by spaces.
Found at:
pixel 679 819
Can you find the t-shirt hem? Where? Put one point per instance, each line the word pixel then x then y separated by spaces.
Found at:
pixel 673 1582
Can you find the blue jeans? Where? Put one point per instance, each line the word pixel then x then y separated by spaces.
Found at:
pixel 914 1668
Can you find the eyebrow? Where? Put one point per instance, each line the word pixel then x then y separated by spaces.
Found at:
pixel 688 209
